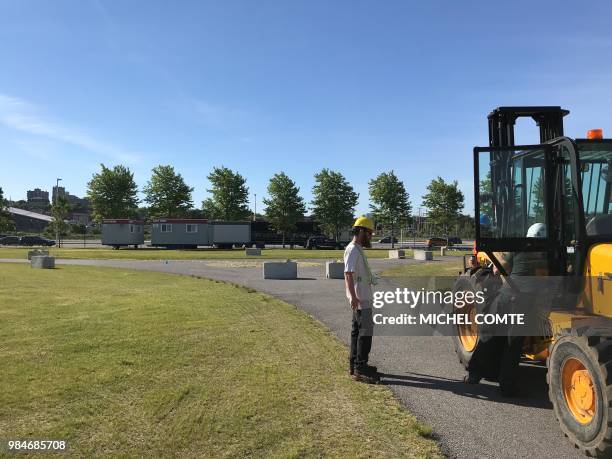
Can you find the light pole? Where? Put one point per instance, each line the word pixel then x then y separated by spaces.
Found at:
pixel 57 243
pixel 85 235
pixel 419 222
pixel 255 212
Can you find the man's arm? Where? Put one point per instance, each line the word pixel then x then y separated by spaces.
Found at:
pixel 350 286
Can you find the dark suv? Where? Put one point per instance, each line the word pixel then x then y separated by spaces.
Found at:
pixel 36 240
pixel 321 242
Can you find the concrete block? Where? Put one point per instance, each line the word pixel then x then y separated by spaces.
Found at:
pixel 43 262
pixel 397 254
pixel 280 270
pixel 36 252
pixel 334 270
pixel 443 250
pixel 425 255
pixel 251 252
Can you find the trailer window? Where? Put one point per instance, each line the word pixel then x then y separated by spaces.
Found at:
pixel 191 228
pixel 134 229
pixel 166 228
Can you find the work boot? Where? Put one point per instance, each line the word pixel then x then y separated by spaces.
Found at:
pixel 472 378
pixel 365 377
pixel 371 369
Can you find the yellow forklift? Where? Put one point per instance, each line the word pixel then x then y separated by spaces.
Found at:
pixel 566 185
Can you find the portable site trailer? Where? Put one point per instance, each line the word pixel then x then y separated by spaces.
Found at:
pixel 175 233
pixel 224 235
pixel 179 233
pixel 122 232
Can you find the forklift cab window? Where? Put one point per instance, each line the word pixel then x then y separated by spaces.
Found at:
pixel 511 193
pixel 596 175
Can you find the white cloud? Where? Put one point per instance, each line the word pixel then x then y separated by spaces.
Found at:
pixel 22 116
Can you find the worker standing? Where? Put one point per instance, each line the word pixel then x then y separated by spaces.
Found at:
pixel 358 281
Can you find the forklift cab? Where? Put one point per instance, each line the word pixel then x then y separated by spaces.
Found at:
pixel 562 183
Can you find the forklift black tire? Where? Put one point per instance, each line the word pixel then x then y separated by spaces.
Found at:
pixel 580 388
pixel 467 337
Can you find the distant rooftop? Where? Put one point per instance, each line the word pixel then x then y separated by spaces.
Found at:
pixel 27 213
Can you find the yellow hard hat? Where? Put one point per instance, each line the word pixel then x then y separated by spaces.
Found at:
pixel 364 222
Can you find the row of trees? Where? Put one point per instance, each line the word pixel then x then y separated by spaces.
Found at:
pixel 113 194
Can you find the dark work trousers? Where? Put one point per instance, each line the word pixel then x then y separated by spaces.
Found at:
pixel 498 356
pixel 361 338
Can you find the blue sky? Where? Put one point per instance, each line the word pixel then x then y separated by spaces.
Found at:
pixel 360 87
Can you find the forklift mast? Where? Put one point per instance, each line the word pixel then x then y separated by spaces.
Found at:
pixel 502 120
pixel 501 135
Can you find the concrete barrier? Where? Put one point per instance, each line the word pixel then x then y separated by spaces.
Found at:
pixel 43 262
pixel 280 270
pixel 425 255
pixel 334 270
pixel 443 250
pixel 250 252
pixel 36 252
pixel 397 254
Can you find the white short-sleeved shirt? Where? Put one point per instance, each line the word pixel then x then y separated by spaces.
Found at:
pixel 354 262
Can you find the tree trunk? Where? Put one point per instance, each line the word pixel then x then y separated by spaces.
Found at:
pixel 392 236
pixel 283 239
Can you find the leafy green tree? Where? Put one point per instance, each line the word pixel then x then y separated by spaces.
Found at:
pixel 334 201
pixel 486 196
pixel 167 193
pixel 285 206
pixel 59 211
pixel 230 196
pixel 445 202
pixel 389 201
pixel 112 193
pixel 465 227
pixel 536 211
pixel 6 221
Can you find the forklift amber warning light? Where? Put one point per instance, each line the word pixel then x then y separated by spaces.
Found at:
pixel 595 134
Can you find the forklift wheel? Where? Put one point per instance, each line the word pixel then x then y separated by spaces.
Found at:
pixel 466 336
pixel 580 389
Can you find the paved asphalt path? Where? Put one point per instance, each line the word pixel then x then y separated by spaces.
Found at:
pixel 423 372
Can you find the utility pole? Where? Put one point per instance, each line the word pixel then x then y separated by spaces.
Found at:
pixel 57 242
pixel 255 212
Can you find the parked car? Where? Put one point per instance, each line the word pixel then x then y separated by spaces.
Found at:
pixel 387 239
pixel 10 240
pixel 454 240
pixel 437 242
pixel 36 240
pixel 322 242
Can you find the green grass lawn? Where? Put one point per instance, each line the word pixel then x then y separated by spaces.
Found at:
pixel 196 254
pixel 436 275
pixel 129 363
pixel 429 268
